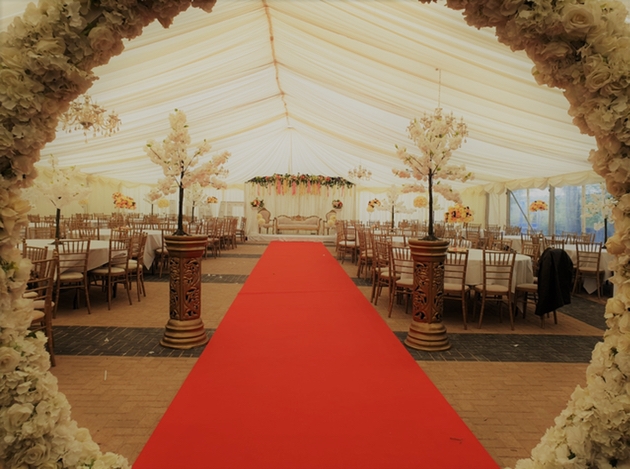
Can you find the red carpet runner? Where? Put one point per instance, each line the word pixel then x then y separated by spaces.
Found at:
pixel 303 373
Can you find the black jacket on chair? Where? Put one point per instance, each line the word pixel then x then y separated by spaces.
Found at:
pixel 555 280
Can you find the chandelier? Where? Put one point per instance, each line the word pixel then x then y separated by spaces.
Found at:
pixel 90 117
pixel 360 173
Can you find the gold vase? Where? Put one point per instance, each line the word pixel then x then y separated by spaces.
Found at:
pixel 426 331
pixel 185 329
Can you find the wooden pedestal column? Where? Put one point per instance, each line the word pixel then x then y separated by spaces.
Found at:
pixel 426 331
pixel 185 329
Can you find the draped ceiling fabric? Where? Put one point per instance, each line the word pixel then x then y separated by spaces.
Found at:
pixel 319 87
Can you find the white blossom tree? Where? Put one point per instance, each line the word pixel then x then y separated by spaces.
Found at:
pixel 437 137
pixel 177 164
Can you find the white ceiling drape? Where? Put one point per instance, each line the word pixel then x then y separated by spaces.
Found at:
pixel 319 87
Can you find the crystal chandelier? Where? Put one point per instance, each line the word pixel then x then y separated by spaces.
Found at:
pixel 360 173
pixel 90 117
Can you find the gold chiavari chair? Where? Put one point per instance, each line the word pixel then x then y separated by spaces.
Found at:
pixel 498 268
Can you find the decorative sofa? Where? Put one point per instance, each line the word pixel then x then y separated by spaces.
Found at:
pixel 297 223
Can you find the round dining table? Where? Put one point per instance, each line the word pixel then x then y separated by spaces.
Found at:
pixel 523 272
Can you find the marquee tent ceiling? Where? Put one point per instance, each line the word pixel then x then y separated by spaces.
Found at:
pixel 314 87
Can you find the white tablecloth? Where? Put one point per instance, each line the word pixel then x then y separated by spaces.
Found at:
pixel 98 256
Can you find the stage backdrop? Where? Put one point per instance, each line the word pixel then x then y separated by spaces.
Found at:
pixel 286 198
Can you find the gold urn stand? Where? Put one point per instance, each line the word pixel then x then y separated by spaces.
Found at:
pixel 185 329
pixel 426 331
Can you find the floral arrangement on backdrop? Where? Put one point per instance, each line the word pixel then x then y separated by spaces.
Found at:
pixel 295 184
pixel 421 202
pixel 47 58
pixel 122 201
pixel 257 203
pixel 538 206
pixel 458 214
pixel 437 136
pixel 337 204
pixel 578 47
pixel 212 200
pixel 177 164
pixel 373 204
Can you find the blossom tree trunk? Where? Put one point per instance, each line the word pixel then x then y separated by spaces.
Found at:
pixel 57 223
pixel 431 232
pixel 180 210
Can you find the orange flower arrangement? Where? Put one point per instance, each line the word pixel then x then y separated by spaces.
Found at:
pixel 123 201
pixel 538 206
pixel 458 214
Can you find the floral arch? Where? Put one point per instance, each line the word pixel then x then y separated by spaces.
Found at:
pixel 46 61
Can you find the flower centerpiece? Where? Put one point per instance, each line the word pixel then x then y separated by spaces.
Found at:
pixel 421 202
pixel 123 202
pixel 177 164
pixel 66 185
pixel 458 213
pixel 257 203
pixel 373 204
pixel 337 204
pixel 212 200
pixel 163 203
pixel 538 206
pixel 437 136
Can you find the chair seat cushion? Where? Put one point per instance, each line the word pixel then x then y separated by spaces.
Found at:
pixel 70 276
pixel 106 271
pixel 455 287
pixel 37 315
pixel 133 264
pixel 493 289
pixel 528 287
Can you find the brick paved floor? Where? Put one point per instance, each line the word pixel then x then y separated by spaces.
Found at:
pixel 507 385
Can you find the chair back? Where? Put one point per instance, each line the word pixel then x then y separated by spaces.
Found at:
pixel 266 214
pixel 401 262
pixel 119 253
pixel 138 244
pixel 34 253
pixel 588 256
pixel 73 255
pixel 455 266
pixel 498 267
pixel 41 282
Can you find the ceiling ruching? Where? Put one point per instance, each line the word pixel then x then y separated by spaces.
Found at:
pixel 336 87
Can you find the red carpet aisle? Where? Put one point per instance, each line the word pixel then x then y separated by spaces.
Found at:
pixel 303 373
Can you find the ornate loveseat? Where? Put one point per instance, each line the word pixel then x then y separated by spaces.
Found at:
pixel 297 223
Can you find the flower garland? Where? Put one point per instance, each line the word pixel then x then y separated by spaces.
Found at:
pixel 46 61
pixel 257 203
pixel 123 201
pixel 458 214
pixel 337 204
pixel 300 183
pixel 538 206
pixel 579 47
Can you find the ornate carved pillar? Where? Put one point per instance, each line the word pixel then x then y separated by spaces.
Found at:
pixel 185 329
pixel 426 331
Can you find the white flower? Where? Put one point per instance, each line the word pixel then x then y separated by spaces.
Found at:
pixel 9 359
